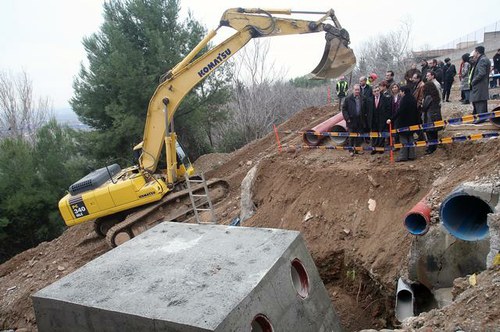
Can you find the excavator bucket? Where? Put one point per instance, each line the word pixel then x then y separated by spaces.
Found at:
pixel 338 59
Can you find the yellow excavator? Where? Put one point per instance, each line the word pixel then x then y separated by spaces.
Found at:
pixel 125 202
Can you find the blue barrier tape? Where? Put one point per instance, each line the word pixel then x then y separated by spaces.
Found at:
pixel 445 140
pixel 426 126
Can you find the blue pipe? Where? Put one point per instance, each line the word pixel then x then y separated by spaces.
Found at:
pixel 416 224
pixel 465 216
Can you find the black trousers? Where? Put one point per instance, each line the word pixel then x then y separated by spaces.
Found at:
pixel 447 90
pixel 431 135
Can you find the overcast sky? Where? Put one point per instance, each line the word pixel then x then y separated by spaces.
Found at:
pixel 43 37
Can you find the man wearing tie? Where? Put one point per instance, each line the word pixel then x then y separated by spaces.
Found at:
pixel 379 112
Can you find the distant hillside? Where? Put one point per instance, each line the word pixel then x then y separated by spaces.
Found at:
pixel 68 117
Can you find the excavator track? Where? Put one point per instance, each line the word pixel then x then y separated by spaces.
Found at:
pixel 172 207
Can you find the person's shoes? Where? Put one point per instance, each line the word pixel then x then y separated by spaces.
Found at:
pixel 429 151
pixel 411 158
pixel 373 152
pixel 401 160
pixel 351 153
pixel 447 100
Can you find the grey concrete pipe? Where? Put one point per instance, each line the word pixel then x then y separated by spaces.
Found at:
pixel 496 121
pixel 334 124
pixel 464 212
pixel 404 301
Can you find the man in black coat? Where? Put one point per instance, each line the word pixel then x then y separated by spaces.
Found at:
pixel 449 76
pixel 355 114
pixel 438 71
pixel 367 92
pixel 424 70
pixel 479 79
pixel 406 116
pixel 379 112
pixel 389 77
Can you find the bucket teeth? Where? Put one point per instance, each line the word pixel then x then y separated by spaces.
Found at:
pixel 338 59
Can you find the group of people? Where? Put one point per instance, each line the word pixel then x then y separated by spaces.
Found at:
pixel 371 107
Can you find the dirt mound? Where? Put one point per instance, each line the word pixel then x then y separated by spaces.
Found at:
pixel 211 161
pixel 36 268
pixel 348 209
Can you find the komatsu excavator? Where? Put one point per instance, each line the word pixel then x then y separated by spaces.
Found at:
pixel 125 202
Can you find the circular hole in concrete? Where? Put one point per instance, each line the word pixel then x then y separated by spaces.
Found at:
pixel 300 279
pixel 465 217
pixel 261 323
pixel 416 224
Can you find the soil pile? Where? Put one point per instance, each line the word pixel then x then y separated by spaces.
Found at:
pixel 348 209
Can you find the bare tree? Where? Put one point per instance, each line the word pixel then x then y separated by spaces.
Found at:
pixel 20 115
pixel 261 97
pixel 390 51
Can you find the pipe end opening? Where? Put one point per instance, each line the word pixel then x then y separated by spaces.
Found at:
pixel 311 139
pixel 416 224
pixel 465 216
pixel 337 140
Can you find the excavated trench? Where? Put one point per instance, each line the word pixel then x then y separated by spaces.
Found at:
pixel 368 299
pixel 352 219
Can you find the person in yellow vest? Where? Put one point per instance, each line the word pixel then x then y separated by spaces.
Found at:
pixel 341 87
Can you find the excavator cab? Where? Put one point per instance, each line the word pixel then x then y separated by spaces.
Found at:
pixel 184 165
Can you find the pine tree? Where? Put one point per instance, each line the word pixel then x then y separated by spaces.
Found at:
pixel 138 42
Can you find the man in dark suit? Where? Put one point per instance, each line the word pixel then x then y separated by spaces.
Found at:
pixel 355 112
pixel 479 81
pixel 379 113
pixel 449 76
pixel 367 92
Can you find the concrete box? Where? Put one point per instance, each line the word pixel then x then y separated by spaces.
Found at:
pixel 188 277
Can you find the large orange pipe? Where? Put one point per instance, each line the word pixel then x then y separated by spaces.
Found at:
pixel 418 218
pixel 334 124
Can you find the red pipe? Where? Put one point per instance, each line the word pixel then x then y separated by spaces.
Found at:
pixel 418 218
pixel 335 123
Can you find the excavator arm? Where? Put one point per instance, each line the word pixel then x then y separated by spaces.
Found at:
pixel 337 59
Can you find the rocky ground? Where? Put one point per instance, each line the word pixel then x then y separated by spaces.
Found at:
pixel 360 248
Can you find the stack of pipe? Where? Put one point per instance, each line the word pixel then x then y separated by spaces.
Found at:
pixel 334 124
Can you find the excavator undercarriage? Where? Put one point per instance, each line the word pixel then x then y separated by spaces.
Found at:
pixel 176 206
